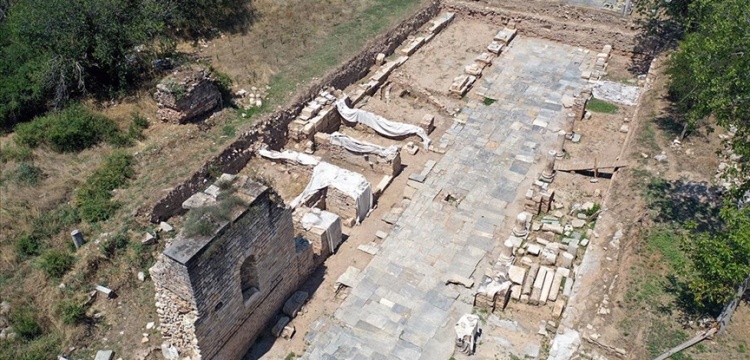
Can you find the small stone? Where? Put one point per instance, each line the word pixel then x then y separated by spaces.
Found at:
pixel 578 223
pixel 144 340
pixel 163 226
pixel 150 325
pixel 660 157
pixel 141 276
pixel 624 128
pixel 149 239
pixel 104 355
pixel 558 214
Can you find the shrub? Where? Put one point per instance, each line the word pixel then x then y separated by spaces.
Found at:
pixel 487 101
pixel 27 245
pixel 25 323
pixel 139 123
pixel 27 174
pixel 224 82
pixel 71 312
pixel 71 130
pixel 94 197
pixel 15 153
pixel 56 263
pixel 111 246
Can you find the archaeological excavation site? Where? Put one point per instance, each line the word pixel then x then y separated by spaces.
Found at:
pixel 374 179
pixel 440 195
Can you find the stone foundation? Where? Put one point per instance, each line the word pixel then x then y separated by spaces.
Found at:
pixel 384 165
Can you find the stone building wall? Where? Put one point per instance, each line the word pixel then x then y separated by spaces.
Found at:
pixel 199 281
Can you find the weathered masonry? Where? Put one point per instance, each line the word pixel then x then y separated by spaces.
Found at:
pixel 215 294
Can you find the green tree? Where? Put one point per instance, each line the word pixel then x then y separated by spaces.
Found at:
pixel 720 261
pixel 711 72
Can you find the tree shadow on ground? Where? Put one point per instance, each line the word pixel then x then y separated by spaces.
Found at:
pixel 685 202
pixel 657 35
pixel 208 20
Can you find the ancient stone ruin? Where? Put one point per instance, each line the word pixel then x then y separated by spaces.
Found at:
pixel 186 95
pixel 216 291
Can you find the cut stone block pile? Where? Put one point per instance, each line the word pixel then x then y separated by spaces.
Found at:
pixel 463 83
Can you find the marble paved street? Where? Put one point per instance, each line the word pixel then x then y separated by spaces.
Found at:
pixel 401 307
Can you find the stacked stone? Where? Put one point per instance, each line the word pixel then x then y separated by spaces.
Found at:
pixel 319 115
pixel 385 165
pixel 177 316
pixel 532 202
pixel 186 94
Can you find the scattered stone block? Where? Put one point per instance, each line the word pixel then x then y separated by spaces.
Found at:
pixel 607 49
pixel 409 192
pixel 413 46
pixel 428 123
pixel 566 260
pixel 485 58
pixel 441 22
pixel 411 148
pixel 371 249
pixel 380 59
pixel 548 255
pixel 587 206
pixel 578 223
pixel 556 283
pixel 141 276
pixel 109 293
pixel 585 242
pixel 279 327
pixel 198 200
pixel 163 226
pixel 78 240
pixel 150 325
pixel 293 305
pixel 505 35
pixel 104 355
pixel 546 287
pixel 533 249
pixel 624 128
pixel 474 69
pixel 516 274
pixel 461 85
pixel 515 292
pixel 495 47
pixel 148 239
pixel 557 229
pixel 557 310
pixel 586 74
pixel 381 234
pixel 288 332
pixel 169 352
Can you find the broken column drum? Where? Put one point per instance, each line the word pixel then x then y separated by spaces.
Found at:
pixel 560 148
pixel 520 229
pixel 77 238
pixel 549 170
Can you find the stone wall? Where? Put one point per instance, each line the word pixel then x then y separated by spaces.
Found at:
pixel 272 130
pixel 583 27
pixel 384 165
pixel 200 300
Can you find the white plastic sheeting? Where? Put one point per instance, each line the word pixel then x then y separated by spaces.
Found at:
pixel 301 158
pixel 320 219
pixel 350 183
pixel 380 124
pixel 361 147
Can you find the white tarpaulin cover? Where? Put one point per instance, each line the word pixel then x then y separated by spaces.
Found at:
pixel 380 124
pixel 350 183
pixel 361 147
pixel 324 220
pixel 301 158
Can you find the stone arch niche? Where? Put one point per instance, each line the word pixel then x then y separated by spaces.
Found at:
pixel 249 280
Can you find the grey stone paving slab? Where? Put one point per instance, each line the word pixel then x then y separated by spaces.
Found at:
pixel 402 309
